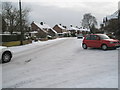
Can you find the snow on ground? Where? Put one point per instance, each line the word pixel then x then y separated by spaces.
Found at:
pixel 0 76
pixel 33 45
pixel 61 63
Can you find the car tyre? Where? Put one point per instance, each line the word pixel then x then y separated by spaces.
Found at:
pixel 84 46
pixel 104 47
pixel 6 57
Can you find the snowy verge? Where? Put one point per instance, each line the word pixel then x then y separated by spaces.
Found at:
pixel 33 44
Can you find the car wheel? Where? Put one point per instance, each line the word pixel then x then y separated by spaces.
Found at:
pixel 6 57
pixel 84 46
pixel 104 47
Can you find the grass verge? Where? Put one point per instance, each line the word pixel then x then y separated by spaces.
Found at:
pixel 15 43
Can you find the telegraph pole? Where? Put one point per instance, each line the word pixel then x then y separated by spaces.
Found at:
pixel 119 16
pixel 21 41
pixel 119 20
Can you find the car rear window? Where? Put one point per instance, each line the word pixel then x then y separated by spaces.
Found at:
pixel 103 37
pixel 88 37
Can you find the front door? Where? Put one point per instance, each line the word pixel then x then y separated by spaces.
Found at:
pixel 95 41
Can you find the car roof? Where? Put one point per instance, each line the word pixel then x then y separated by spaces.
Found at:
pixel 96 34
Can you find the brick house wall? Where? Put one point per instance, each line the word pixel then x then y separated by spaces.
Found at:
pixel 51 33
pixel 41 33
pixel 57 29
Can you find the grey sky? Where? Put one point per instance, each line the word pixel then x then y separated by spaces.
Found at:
pixel 68 12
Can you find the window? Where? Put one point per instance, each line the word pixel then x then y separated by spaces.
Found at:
pixel 104 37
pixel 93 37
pixel 88 37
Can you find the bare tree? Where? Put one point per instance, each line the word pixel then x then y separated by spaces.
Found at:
pixel 6 15
pixel 10 15
pixel 89 22
pixel 0 23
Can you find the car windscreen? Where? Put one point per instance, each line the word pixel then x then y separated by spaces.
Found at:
pixel 103 37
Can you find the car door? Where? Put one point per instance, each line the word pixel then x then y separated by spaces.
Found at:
pixel 87 40
pixel 0 54
pixel 1 51
pixel 95 41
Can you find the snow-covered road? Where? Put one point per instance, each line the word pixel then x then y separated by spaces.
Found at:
pixel 61 64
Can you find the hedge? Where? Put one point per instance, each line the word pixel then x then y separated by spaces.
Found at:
pixel 9 38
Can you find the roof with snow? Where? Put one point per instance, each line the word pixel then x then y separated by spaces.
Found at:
pixel 34 32
pixel 39 26
pixel 82 29
pixel 60 26
pixel 113 16
pixel 78 29
pixel 44 26
pixel 73 28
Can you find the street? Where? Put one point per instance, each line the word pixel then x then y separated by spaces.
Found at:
pixel 61 64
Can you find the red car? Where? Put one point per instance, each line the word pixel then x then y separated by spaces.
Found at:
pixel 100 41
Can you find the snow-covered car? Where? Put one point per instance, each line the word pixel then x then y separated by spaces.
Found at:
pixel 5 54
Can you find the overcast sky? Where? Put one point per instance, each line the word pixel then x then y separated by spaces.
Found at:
pixel 67 12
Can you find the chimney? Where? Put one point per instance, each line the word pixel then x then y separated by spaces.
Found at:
pixel 41 23
pixel 32 22
pixel 65 26
pixel 70 25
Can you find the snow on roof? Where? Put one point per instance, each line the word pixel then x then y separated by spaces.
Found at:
pixel 34 32
pixel 5 34
pixel 73 28
pixel 60 26
pixel 45 26
pixel 84 29
pixel 78 29
pixel 53 30
pixel 113 16
pixel 39 27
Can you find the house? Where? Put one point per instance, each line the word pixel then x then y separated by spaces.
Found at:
pixel 61 31
pixel 110 23
pixel 73 30
pixel 76 30
pixel 84 31
pixel 50 31
pixel 37 31
pixel 106 19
